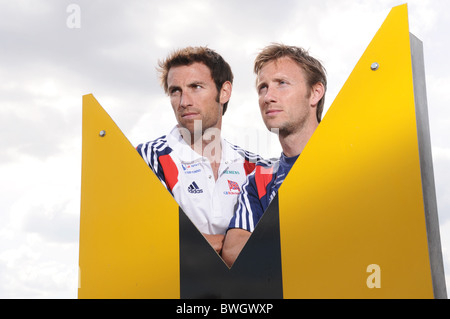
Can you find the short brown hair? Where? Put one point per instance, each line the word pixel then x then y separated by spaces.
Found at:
pixel 314 70
pixel 220 69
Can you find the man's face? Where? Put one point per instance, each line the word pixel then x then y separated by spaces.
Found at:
pixel 284 96
pixel 193 95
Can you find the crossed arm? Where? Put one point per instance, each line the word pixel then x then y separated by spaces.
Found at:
pixel 229 246
pixel 216 241
pixel 235 240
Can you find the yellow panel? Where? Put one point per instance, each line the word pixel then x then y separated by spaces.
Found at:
pixel 354 197
pixel 129 233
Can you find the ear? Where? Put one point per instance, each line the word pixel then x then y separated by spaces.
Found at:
pixel 225 92
pixel 317 92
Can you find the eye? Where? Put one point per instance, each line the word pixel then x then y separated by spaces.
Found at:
pixel 196 86
pixel 261 88
pixel 174 91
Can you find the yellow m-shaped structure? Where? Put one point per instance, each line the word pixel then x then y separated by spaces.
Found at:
pixel 355 218
pixel 355 197
pixel 129 222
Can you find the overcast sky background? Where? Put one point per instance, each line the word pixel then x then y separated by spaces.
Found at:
pixel 46 67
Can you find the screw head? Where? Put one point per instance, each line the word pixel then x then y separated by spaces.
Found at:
pixel 374 66
pixel 102 133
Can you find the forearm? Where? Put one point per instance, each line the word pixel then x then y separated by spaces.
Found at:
pixel 235 240
pixel 216 241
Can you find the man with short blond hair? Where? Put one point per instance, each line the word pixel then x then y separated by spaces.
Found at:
pixel 291 87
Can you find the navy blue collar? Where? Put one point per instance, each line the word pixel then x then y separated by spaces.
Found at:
pixel 289 161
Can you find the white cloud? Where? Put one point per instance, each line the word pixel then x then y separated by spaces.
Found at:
pixel 35 269
pixel 47 67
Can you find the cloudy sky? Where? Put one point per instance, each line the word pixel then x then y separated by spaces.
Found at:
pixel 48 61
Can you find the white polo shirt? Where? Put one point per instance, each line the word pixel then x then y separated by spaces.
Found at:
pixel 209 203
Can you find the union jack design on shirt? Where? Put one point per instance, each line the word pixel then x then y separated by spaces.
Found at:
pixel 233 186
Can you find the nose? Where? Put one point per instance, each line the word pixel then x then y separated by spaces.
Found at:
pixel 185 100
pixel 268 96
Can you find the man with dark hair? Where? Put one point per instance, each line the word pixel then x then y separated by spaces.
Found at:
pixel 291 87
pixel 202 171
pixel 219 68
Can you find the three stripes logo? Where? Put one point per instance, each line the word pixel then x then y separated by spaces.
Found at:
pixel 194 189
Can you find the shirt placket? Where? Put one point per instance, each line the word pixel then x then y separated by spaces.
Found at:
pixel 216 203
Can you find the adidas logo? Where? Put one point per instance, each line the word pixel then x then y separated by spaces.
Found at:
pixel 194 189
